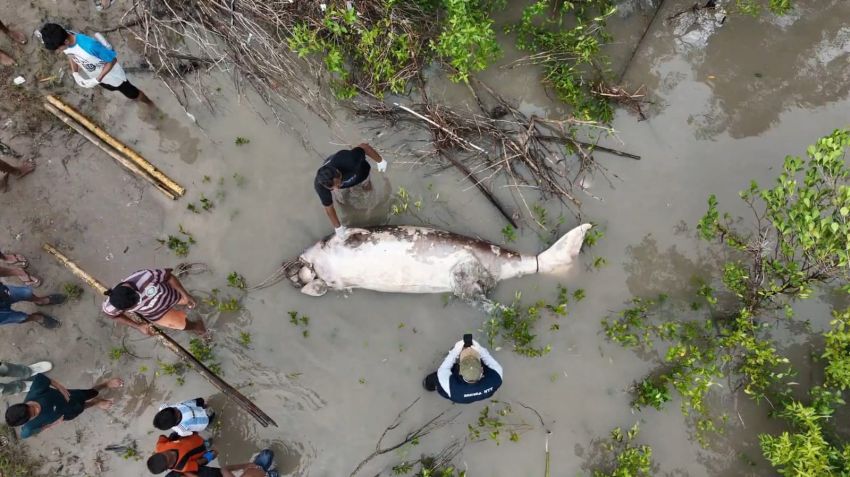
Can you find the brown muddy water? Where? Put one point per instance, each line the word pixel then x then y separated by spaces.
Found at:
pixel 721 114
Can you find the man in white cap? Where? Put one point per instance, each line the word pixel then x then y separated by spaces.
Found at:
pixel 468 373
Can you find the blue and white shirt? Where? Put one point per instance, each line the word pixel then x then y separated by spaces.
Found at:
pixel 92 56
pixel 194 417
pixel 453 387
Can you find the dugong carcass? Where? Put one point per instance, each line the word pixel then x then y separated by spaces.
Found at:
pixel 408 259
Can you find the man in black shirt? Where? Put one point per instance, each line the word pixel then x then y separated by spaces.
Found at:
pixel 346 168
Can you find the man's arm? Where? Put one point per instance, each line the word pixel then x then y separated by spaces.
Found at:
pixel 62 389
pixel 142 328
pixel 444 373
pixel 106 69
pixel 73 65
pixel 487 359
pixel 331 211
pixel 371 152
pixel 42 429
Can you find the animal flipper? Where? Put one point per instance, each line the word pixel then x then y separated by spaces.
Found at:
pixel 561 255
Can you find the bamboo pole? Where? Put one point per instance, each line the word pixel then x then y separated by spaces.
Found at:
pixel 169 343
pixel 143 164
pixel 131 166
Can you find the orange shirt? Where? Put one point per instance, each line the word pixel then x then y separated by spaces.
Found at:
pixel 189 450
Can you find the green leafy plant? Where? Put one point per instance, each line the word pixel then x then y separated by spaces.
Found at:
pixel 509 233
pixel 177 245
pixel 468 41
pixel 515 323
pixel 623 457
pixel 241 141
pixel 402 204
pixel 651 393
pixel 203 352
pixel 566 38
pixel 15 458
pixel 245 338
pixel 497 424
pixel 72 291
pixel 302 321
pixel 117 353
pixel 222 304
pixel 755 7
pixel 799 239
pixel 236 280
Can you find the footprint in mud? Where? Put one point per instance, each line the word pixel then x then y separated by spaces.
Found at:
pixel 173 136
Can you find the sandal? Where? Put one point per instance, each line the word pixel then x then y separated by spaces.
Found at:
pixel 56 299
pixel 31 281
pixel 49 322
pixel 18 260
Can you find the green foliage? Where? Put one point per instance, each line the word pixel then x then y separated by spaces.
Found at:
pixel 245 338
pixel 117 353
pixel 799 240
pixel 566 39
pixel 236 280
pixel 72 291
pixel 509 233
pixel 222 304
pixel 624 458
pixel 837 352
pixel 302 321
pixel 806 451
pixel 177 245
pixel 515 323
pixel 468 41
pixel 496 425
pixel 651 393
pixel 241 141
pixel 203 352
pixel 177 370
pixel 402 204
pixel 755 7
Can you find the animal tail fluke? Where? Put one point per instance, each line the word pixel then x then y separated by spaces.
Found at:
pixel 560 256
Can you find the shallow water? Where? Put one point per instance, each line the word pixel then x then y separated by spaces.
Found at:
pixel 762 88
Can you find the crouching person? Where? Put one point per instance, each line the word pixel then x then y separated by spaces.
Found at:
pixel 188 456
pixel 185 417
pixel 468 373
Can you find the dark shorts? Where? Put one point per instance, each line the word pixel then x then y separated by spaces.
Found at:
pixel 77 402
pixel 126 88
pixel 205 471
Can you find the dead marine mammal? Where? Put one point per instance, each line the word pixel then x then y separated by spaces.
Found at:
pixel 410 259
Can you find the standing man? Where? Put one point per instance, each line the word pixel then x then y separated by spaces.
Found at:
pixel 48 403
pixel 184 418
pixel 17 37
pixel 346 168
pixel 9 295
pixel 152 294
pixel 468 373
pixel 92 63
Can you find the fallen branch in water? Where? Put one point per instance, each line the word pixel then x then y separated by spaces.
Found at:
pixel 431 425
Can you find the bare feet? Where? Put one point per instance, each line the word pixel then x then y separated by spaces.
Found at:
pixel 104 404
pixel 115 383
pixel 25 168
pixel 17 36
pixel 6 60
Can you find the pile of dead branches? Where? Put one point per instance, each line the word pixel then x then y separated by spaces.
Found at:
pixel 529 152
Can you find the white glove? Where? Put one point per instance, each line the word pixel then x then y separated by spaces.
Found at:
pixel 340 231
pixel 382 166
pixel 85 82
pixel 458 347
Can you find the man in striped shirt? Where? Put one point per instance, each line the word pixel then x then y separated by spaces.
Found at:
pixel 152 294
pixel 184 418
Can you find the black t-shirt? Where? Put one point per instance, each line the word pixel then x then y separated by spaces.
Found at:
pixel 465 393
pixel 354 167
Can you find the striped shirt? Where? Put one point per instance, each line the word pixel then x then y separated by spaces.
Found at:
pixel 157 296
pixel 193 417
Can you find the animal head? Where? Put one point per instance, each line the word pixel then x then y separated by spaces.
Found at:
pixel 302 276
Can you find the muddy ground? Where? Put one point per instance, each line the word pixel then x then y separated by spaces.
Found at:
pixel 722 113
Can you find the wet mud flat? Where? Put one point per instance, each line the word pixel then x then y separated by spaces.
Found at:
pixel 722 114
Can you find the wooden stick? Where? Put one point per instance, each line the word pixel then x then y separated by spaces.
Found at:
pixel 169 343
pixel 132 155
pixel 107 149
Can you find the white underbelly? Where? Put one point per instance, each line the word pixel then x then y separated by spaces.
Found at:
pixel 391 267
